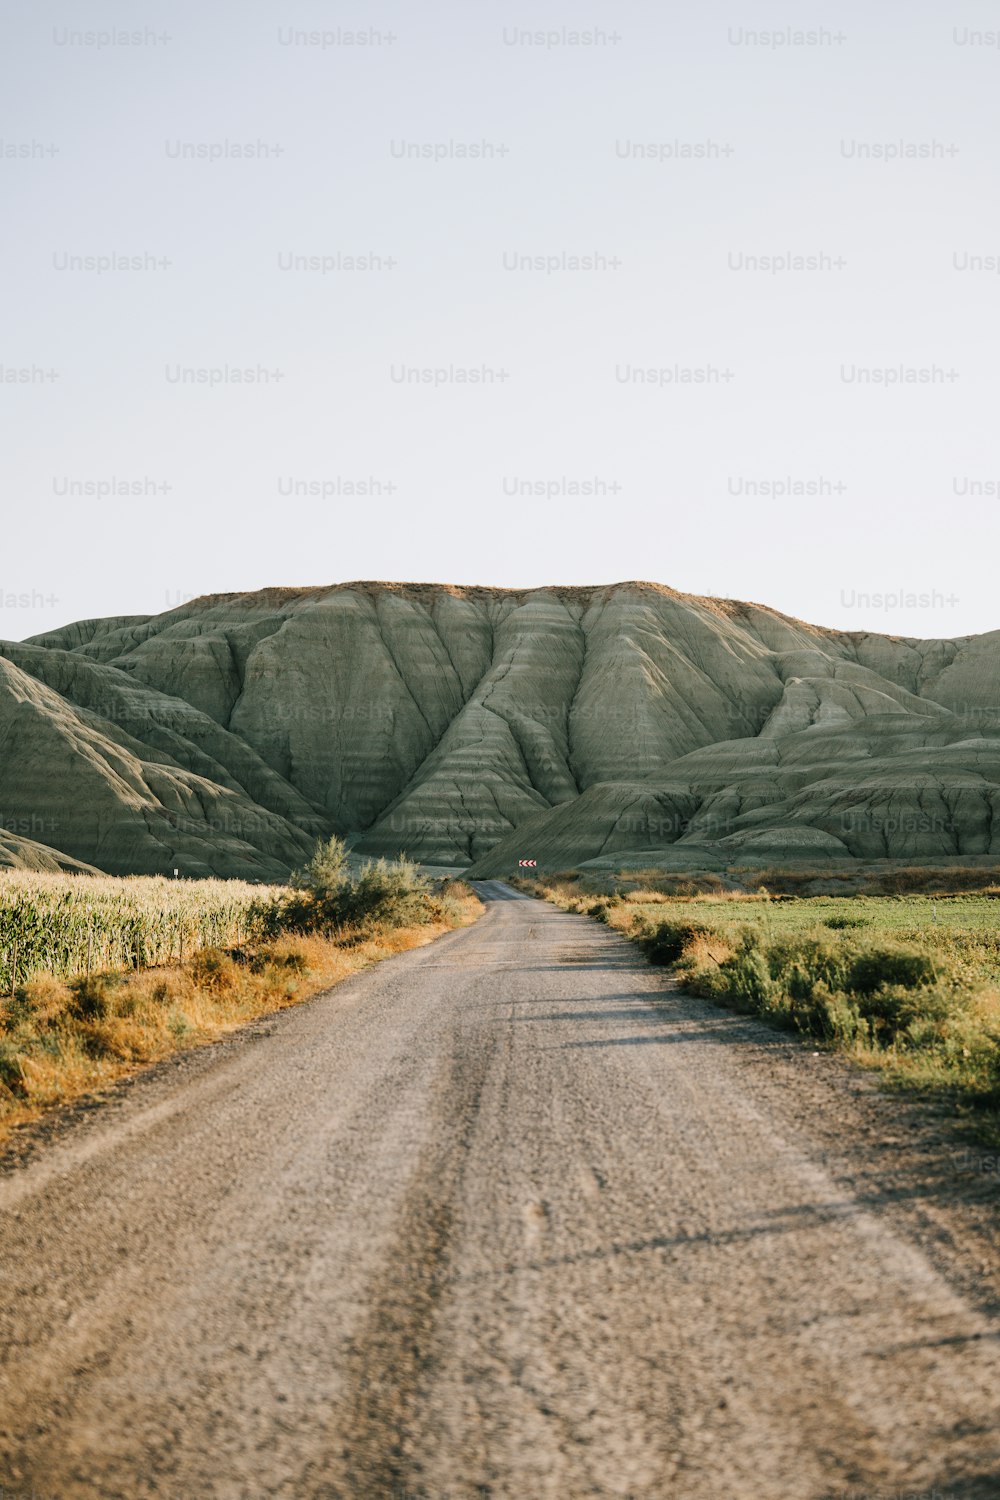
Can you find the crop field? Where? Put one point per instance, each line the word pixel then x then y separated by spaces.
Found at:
pixel 68 925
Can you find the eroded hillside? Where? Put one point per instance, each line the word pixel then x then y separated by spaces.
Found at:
pixel 461 724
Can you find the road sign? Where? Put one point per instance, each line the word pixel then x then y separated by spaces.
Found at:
pixel 528 863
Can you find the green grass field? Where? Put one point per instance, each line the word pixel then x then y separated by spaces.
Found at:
pixel 915 916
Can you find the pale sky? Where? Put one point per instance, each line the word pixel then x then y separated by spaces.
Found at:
pixel 869 374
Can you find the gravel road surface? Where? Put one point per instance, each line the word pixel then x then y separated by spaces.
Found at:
pixel 506 1216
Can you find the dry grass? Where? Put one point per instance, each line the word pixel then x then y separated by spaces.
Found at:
pixel 61 1038
pixel 703 949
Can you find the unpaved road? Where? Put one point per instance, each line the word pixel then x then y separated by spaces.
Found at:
pixel 504 1216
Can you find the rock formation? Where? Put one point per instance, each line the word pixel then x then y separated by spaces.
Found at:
pixel 468 726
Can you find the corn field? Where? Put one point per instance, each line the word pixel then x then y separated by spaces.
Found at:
pixel 77 924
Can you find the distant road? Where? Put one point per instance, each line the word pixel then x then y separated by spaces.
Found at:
pixel 507 1215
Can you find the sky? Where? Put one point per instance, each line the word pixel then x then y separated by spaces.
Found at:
pixel 300 292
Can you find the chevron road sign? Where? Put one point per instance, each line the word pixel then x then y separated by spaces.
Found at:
pixel 528 863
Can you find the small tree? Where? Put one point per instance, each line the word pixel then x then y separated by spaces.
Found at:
pixel 326 871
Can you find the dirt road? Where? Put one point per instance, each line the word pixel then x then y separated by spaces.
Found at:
pixel 505 1216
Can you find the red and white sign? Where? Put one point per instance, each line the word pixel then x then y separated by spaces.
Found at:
pixel 528 863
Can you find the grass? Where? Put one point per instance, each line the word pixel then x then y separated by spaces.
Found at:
pixel 908 984
pixel 66 1032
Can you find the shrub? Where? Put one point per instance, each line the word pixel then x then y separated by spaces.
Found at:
pixel 668 941
pixel 831 1016
pixel 456 890
pixel 450 902
pixel 384 894
pixel 897 1012
pixel 800 962
pixel 293 959
pixel 875 967
pixel 327 899
pixel 213 969
pixel 93 997
pixel 11 1071
pixel 747 978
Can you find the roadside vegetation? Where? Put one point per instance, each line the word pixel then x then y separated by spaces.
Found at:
pixel 908 984
pixel 102 975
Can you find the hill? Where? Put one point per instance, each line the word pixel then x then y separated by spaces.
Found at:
pixel 471 725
